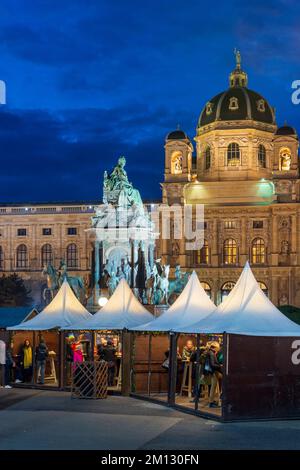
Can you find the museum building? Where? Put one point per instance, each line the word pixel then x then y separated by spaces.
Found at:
pixel 242 167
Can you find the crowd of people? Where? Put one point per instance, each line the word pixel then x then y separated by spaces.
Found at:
pixel 110 350
pixel 107 348
pixel 19 368
pixel 209 362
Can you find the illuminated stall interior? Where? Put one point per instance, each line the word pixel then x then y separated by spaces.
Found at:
pixel 171 366
pixel 64 310
pixel 151 361
pixel 236 332
pixel 109 329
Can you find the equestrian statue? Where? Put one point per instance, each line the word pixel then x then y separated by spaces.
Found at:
pixel 55 279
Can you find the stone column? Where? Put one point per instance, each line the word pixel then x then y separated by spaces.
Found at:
pixel 244 253
pixel 97 273
pixel 151 255
pixel 274 254
pixel 214 248
pixel 133 258
pixel 274 297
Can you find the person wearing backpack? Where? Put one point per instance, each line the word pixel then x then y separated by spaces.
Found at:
pixel 41 356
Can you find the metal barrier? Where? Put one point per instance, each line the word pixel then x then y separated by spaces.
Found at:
pixel 89 379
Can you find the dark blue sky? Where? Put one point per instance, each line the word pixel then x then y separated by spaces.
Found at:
pixel 90 80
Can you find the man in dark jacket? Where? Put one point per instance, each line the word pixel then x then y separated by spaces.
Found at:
pixel 216 373
pixel 41 356
pixel 9 365
pixel 108 354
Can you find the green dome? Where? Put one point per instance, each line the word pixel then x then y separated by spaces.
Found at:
pixel 236 104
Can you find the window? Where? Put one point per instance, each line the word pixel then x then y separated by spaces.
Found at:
pixel 207 288
pixel 47 231
pixel 285 159
pixel 72 231
pixel 46 254
pixel 258 224
pixel 261 105
pixel 1 258
pixel 226 289
pixel 202 255
pixel 258 251
pixel 209 108
pixel 207 158
pixel 233 103
pixel 72 256
pixel 229 251
pixel 22 232
pixel 233 154
pixel 176 163
pixel 229 224
pixel 264 288
pixel 22 257
pixel 261 156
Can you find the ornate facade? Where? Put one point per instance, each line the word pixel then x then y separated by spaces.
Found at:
pixel 34 235
pixel 246 173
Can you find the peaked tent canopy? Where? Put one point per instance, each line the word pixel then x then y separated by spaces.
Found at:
pixel 191 306
pixel 63 311
pixel 122 311
pixel 246 311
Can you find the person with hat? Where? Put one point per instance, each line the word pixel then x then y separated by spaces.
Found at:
pixel 216 373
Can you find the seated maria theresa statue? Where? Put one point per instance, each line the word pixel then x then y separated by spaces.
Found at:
pixel 117 189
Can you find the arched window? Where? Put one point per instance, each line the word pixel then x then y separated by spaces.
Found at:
pixel 22 257
pixel 207 158
pixel 233 154
pixel 226 289
pixel 46 254
pixel 202 255
pixel 229 251
pixel 1 258
pixel 263 287
pixel 285 159
pixel 258 251
pixel 72 256
pixel 261 156
pixel 176 163
pixel 207 288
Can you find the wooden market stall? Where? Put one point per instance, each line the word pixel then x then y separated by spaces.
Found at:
pixel 121 313
pixel 64 310
pixel 261 354
pixel 153 379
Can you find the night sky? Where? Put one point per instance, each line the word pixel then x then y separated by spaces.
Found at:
pixel 88 81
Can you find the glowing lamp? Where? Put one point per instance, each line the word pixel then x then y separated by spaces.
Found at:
pixel 102 301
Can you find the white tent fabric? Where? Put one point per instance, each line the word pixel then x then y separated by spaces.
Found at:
pixel 122 311
pixel 192 305
pixel 246 311
pixel 63 311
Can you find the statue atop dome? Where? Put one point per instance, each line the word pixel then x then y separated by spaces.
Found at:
pixel 117 190
pixel 237 58
pixel 238 77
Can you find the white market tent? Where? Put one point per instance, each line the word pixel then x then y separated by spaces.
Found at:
pixel 246 311
pixel 191 306
pixel 63 311
pixel 122 311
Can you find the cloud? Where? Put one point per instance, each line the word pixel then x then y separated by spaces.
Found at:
pixel 113 77
pixel 62 156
